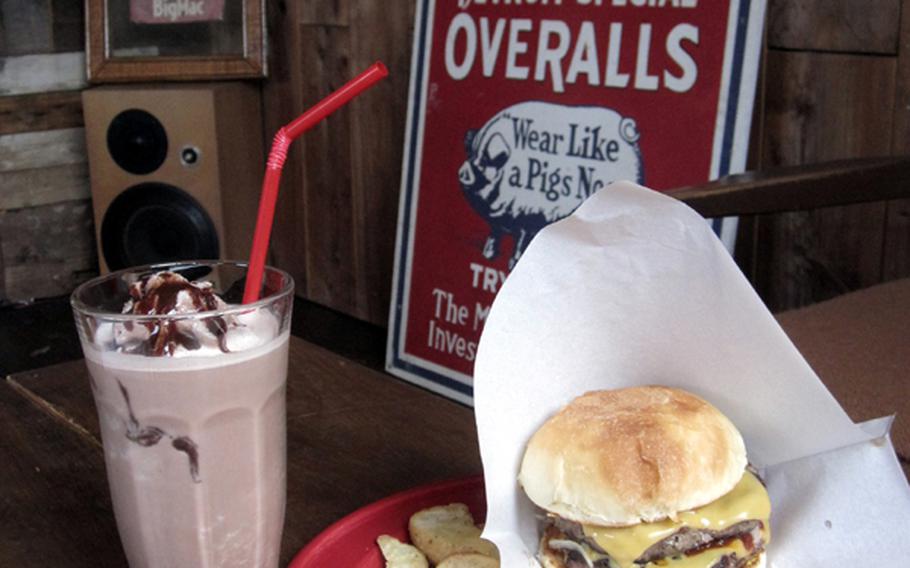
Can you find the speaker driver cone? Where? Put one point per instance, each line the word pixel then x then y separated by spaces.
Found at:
pixel 156 222
pixel 137 141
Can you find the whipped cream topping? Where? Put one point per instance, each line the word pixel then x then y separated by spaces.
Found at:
pixel 170 294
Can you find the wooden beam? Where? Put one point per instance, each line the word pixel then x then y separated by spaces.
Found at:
pixel 800 188
pixel 331 279
pixel 378 127
pixel 26 27
pixel 29 150
pixel 68 27
pixel 896 256
pixel 282 98
pixel 47 250
pixel 42 73
pixel 40 111
pixel 44 186
pixel 844 26
pixel 327 13
pixel 819 108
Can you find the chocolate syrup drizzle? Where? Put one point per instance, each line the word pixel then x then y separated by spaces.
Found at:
pixel 161 299
pixel 147 436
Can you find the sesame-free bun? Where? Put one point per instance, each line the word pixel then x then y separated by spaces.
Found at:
pixel 639 454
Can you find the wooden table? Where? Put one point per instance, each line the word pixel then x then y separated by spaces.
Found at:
pixel 354 436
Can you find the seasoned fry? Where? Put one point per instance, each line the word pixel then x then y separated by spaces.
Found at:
pixel 400 555
pixel 443 531
pixel 470 560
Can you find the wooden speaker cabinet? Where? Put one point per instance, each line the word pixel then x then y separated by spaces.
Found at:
pixel 175 170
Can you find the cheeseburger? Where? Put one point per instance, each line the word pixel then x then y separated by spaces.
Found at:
pixel 644 477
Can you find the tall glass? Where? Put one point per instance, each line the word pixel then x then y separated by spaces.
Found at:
pixel 194 435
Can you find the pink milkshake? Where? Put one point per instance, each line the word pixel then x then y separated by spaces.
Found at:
pixel 190 398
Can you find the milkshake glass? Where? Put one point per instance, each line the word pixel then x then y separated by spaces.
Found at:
pixel 191 406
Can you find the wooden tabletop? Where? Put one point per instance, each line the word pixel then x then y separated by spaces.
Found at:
pixel 354 436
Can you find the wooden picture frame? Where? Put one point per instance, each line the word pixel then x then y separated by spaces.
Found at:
pixel 102 66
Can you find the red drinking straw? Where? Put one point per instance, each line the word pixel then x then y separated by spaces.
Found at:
pixel 279 153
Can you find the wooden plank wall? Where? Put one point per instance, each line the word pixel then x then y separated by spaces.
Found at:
pixel 835 84
pixel 46 235
pixel 896 261
pixel 335 228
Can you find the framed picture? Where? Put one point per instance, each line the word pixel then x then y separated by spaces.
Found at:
pixel 138 40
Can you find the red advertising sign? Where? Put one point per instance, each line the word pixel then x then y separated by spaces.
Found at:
pixel 175 11
pixel 521 110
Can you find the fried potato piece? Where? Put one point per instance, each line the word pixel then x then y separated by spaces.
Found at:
pixel 400 555
pixel 446 530
pixel 470 560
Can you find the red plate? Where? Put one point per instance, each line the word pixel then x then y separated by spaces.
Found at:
pixel 351 541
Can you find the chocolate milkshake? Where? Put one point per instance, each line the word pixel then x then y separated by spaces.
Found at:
pixel 190 398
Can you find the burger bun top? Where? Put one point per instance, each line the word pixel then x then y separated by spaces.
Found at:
pixel 626 456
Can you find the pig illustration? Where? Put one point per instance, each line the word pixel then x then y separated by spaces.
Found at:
pixel 534 163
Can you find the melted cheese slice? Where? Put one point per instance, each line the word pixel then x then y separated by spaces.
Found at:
pixel 747 500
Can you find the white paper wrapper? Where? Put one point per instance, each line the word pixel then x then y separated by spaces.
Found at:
pixel 634 289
